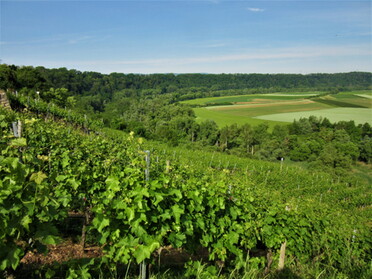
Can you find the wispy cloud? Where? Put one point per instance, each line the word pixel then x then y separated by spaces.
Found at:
pixel 252 54
pixel 31 42
pixel 208 44
pixel 80 39
pixel 255 10
pixel 296 59
pixel 59 39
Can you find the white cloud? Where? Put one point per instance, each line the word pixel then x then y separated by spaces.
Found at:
pixel 80 39
pixel 296 59
pixel 255 10
pixel 60 39
pixel 251 54
pixel 208 44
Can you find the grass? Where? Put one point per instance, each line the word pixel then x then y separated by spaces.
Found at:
pixel 281 108
pixel 223 119
pixel 242 114
pixel 250 97
pixel 346 100
pixel 359 115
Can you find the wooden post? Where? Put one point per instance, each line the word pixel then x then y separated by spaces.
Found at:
pixel 269 258
pixel 147 170
pixel 282 255
pixel 86 218
pixel 281 164
pixel 167 168
pixel 17 128
pixel 142 271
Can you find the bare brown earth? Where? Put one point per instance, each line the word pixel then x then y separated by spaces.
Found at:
pixel 259 101
pixel 69 251
pixel 62 253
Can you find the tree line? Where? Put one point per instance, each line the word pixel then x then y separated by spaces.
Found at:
pixel 94 83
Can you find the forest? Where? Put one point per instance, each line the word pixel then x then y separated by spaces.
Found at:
pixel 184 86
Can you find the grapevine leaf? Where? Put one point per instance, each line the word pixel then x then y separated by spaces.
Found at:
pixel 158 198
pixel 303 223
pixel 113 184
pixel 270 220
pixel 73 183
pixel 50 273
pixel 26 220
pixel 60 178
pixel 100 222
pixel 177 211
pixel 130 213
pixel 141 253
pixel 46 234
pixel 177 239
pixel 19 142
pixel 165 215
pixel 14 257
pixel 233 237
pixel 177 193
pixel 200 223
pixel 38 177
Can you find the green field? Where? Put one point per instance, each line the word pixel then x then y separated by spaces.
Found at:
pixel 280 108
pixel 223 119
pixel 250 97
pixel 359 115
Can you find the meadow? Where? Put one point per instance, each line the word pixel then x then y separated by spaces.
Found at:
pixel 358 115
pixel 250 97
pixel 280 108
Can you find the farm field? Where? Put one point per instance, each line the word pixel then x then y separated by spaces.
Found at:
pixel 250 97
pixel 359 115
pixel 279 108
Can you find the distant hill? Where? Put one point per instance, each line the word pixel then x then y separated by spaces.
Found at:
pixel 93 83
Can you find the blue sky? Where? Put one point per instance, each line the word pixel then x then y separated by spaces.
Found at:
pixel 212 36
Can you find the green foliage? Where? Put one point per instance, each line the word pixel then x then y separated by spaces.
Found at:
pixel 229 208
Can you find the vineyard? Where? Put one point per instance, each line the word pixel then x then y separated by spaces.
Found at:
pixel 232 217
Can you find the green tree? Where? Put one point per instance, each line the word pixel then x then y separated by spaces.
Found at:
pixel 260 133
pixel 58 96
pixel 301 127
pixel 7 77
pixel 365 149
pixel 229 137
pixel 300 153
pixel 31 78
pixel 246 136
pixel 208 133
pixel 280 132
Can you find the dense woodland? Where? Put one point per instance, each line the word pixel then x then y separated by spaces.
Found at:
pixel 184 86
pixel 148 105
